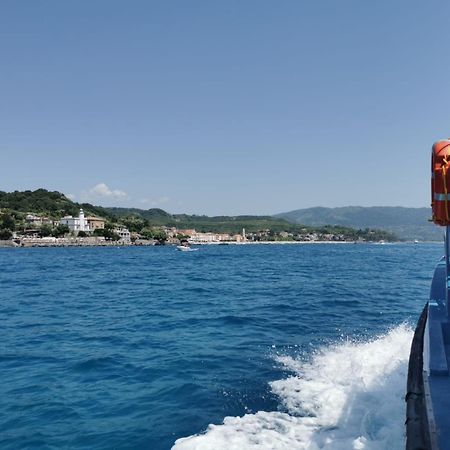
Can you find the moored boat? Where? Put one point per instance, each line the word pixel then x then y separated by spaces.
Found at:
pixel 185 247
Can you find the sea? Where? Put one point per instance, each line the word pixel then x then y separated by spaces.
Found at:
pixel 228 347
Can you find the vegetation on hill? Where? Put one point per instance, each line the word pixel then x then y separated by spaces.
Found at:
pixel 51 204
pixel 218 224
pixel 406 223
pixel 155 215
pixel 16 205
pixel 234 224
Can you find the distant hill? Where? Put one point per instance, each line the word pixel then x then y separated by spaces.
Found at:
pixel 220 224
pixel 406 223
pixel 155 215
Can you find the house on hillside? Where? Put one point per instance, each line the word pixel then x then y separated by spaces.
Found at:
pixel 123 233
pixel 205 238
pixel 95 223
pixel 188 233
pixel 34 219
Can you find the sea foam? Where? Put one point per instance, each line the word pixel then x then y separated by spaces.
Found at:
pixel 347 396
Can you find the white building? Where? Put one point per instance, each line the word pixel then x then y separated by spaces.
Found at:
pixel 207 238
pixel 31 218
pixel 123 233
pixel 38 220
pixel 76 224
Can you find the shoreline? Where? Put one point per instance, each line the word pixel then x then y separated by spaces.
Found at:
pixel 66 243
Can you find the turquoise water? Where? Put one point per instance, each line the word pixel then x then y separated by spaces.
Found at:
pixel 134 348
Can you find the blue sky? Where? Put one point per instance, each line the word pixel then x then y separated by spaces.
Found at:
pixel 224 107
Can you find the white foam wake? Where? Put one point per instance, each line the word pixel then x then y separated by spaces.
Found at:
pixel 349 396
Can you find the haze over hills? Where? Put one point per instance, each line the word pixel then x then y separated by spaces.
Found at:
pixel 406 223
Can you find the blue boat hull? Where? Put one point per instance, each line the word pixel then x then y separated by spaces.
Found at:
pixel 428 386
pixel 417 428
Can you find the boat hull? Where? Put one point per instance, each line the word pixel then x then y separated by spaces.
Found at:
pixel 417 420
pixel 428 386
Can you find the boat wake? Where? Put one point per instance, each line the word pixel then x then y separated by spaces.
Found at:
pixel 348 396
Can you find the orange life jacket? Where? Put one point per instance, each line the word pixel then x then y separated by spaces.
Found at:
pixel 440 182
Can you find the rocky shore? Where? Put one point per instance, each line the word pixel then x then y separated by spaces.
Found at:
pixel 73 242
pixel 96 242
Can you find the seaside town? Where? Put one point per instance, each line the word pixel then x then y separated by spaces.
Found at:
pixel 85 230
pixel 42 218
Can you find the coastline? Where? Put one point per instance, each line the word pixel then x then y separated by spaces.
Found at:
pixel 72 242
pixel 92 242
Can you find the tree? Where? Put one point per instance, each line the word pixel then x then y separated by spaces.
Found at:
pixel 111 235
pixel 46 230
pixel 108 233
pixel 5 234
pixel 160 235
pixel 154 233
pixel 8 222
pixel 147 233
pixel 60 231
pixel 132 223
pixel 82 234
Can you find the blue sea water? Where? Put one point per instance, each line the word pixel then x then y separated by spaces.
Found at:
pixel 136 348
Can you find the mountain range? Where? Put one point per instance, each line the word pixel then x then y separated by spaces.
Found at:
pixel 406 223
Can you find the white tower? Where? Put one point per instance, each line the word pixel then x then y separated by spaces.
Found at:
pixel 82 221
pixel 243 234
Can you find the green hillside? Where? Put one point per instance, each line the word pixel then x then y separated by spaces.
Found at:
pixel 56 205
pixel 220 224
pixel 156 215
pixel 406 223
pixel 15 205
pixel 52 204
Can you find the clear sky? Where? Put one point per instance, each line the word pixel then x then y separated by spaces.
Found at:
pixel 224 107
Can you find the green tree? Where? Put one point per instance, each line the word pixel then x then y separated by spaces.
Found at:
pixel 147 233
pixel 109 226
pixel 154 233
pixel 7 221
pixel 5 234
pixel 132 223
pixel 60 231
pixel 108 233
pixel 45 230
pixel 160 235
pixel 82 234
pixel 111 235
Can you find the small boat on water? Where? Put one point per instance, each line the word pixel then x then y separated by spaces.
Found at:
pixel 428 385
pixel 185 247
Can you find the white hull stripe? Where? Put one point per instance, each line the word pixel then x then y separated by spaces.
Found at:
pixel 441 197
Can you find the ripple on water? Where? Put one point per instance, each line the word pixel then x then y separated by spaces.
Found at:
pixel 134 348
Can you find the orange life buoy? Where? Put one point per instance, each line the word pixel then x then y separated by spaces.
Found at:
pixel 440 182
